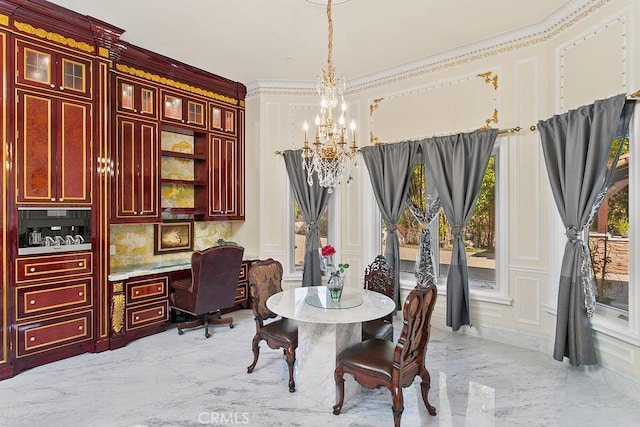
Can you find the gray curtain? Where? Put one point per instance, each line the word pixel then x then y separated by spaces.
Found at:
pixel 313 201
pixel 423 202
pixel 576 148
pixel 390 168
pixel 457 164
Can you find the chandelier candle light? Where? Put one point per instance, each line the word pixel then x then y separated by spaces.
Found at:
pixel 329 156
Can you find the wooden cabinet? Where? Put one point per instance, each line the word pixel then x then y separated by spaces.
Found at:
pixel 54 150
pixel 54 312
pixel 139 307
pixel 136 194
pixel 53 70
pixel 222 119
pixel 184 111
pixel 226 180
pixel 136 98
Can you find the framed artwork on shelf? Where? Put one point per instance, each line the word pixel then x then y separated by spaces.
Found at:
pixel 173 237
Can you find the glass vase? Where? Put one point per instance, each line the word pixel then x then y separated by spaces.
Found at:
pixel 335 285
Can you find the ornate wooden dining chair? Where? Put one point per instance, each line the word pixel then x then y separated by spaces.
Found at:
pixel 378 276
pixel 211 287
pixel 265 279
pixel 378 363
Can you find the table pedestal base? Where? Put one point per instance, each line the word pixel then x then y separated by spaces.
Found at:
pixel 318 346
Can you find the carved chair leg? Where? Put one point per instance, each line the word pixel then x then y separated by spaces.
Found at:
pixel 291 359
pixel 424 388
pixel 256 352
pixel 398 404
pixel 339 378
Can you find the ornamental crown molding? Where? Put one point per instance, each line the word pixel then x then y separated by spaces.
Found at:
pixel 563 19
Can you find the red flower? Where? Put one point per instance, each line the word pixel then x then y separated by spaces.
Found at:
pixel 328 251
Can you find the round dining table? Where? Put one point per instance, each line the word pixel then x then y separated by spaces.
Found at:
pixel 325 328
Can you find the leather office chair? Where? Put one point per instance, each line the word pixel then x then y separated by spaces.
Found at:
pixel 212 287
pixel 378 277
pixel 378 363
pixel 265 279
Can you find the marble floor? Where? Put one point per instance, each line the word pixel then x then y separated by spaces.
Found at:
pixel 171 380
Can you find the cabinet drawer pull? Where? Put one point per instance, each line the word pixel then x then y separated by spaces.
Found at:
pixel 52 85
pixel 61 87
pixel 80 264
pixel 160 312
pixel 32 269
pixel 80 328
pixel 159 288
pixel 32 339
pixel 60 199
pixel 53 199
pixel 137 317
pixel 137 292
pixel 80 293
pixel 32 302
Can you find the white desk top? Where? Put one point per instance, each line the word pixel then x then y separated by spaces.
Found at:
pixel 291 304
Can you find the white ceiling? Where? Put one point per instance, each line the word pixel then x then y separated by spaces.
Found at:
pixel 286 40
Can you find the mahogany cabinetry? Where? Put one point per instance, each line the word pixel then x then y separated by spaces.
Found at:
pixel 53 114
pixel 82 113
pixel 136 186
pixel 53 307
pixel 139 307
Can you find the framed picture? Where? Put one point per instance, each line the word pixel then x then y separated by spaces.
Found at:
pixel 173 237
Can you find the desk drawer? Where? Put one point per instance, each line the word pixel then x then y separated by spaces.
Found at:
pixel 54 333
pixel 56 296
pixel 53 266
pixel 147 289
pixel 241 293
pixel 148 314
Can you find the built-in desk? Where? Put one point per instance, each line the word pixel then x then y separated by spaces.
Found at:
pixel 140 297
pixel 325 328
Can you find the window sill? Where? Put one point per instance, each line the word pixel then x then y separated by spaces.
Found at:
pixel 492 297
pixel 607 325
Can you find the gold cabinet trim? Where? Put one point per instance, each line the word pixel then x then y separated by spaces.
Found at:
pixel 4 20
pixel 54 37
pixel 168 82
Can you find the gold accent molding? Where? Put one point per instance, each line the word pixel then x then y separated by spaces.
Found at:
pixel 4 20
pixel 54 37
pixel 178 85
pixel 117 313
pixel 488 79
pixel 103 51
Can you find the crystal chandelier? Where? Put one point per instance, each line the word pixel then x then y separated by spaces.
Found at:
pixel 330 155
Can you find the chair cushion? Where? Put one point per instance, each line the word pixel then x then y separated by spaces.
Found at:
pixel 284 330
pixel 377 328
pixel 375 356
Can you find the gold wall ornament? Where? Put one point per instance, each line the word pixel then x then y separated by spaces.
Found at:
pixel 372 107
pixel 4 20
pixel 488 79
pixel 178 85
pixel 103 51
pixel 117 307
pixel 492 119
pixel 54 37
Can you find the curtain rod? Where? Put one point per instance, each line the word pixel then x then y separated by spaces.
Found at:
pixel 501 132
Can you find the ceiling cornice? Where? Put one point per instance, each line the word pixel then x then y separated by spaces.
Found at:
pixel 563 19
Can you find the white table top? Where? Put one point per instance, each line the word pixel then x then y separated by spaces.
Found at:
pixel 291 304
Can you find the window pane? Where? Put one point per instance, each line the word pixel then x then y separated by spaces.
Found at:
pixel 195 113
pixel 609 239
pixel 127 97
pixel 147 101
pixel 173 107
pixel 73 75
pixel 480 236
pixel 37 66
pixel 300 232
